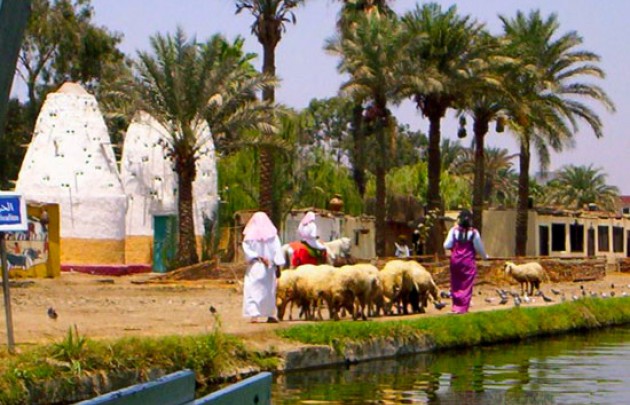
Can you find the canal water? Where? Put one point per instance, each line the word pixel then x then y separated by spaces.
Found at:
pixel 587 368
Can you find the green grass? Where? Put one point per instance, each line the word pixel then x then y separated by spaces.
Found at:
pixel 474 328
pixel 76 356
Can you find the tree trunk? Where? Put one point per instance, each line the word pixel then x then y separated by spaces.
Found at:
pixel 265 198
pixel 434 198
pixel 480 129
pixel 187 246
pixel 381 191
pixel 523 200
pixel 33 104
pixel 358 164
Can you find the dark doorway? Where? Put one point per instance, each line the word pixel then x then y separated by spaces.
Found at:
pixel 577 237
pixel 628 244
pixel 543 247
pixel 591 242
pixel 558 237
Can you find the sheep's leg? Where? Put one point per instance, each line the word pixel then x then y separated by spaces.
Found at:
pixel 281 308
pixel 537 284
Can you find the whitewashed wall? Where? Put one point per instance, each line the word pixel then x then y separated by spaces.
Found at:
pixel 70 161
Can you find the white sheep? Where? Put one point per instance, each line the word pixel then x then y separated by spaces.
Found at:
pixel 338 248
pixel 529 275
pixel 313 283
pixel 396 284
pixel 285 291
pixel 354 288
pixel 424 287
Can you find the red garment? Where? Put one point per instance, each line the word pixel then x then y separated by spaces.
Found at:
pixel 302 255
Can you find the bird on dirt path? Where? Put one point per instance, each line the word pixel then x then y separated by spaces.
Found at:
pixel 439 305
pixel 555 292
pixel 445 294
pixel 52 314
pixel 539 293
pixel 213 310
pixel 517 301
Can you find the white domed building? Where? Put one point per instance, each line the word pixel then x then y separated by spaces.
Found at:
pixel 151 187
pixel 70 162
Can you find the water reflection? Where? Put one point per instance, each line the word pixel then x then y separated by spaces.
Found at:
pixel 573 369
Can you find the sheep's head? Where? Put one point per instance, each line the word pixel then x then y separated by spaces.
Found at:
pixel 508 267
pixel 346 245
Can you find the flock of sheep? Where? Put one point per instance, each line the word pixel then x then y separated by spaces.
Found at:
pixel 360 289
pixel 363 290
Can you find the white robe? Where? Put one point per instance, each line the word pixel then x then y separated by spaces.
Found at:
pixel 259 289
pixel 308 234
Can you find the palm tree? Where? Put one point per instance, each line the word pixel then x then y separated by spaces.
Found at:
pixel 485 101
pixel 577 186
pixel 547 95
pixel 350 11
pixel 370 54
pixel 186 85
pixel 497 166
pixel 437 76
pixel 270 18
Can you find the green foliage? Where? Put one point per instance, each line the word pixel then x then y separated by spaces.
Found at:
pixel 71 348
pixel 577 186
pixel 62 43
pixel 238 184
pixel 12 143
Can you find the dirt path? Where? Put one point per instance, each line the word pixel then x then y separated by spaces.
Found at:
pixel 110 307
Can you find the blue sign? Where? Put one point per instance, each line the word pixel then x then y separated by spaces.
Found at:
pixel 12 212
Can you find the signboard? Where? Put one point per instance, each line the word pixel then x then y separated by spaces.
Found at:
pixel 12 212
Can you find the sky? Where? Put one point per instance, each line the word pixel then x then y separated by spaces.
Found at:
pixel 306 71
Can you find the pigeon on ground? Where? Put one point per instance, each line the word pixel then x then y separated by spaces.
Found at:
pixel 555 292
pixel 504 300
pixel 52 314
pixel 489 300
pixel 213 310
pixel 439 305
pixel 517 301
pixel 445 294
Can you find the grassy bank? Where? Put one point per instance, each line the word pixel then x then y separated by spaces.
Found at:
pixel 58 371
pixel 475 328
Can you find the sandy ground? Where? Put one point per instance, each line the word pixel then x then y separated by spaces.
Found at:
pixel 110 307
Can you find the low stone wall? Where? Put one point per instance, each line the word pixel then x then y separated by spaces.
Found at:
pixel 492 271
pixel 314 356
pixel 624 265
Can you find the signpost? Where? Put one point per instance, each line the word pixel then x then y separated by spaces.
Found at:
pixel 13 218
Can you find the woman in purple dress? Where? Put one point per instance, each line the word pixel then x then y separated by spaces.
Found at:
pixel 464 242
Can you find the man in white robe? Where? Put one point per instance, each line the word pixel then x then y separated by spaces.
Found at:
pixel 263 253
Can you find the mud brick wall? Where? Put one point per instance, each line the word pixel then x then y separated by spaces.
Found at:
pixel 624 265
pixel 492 271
